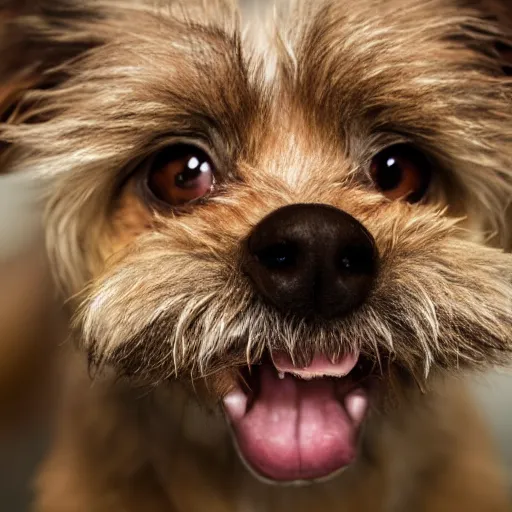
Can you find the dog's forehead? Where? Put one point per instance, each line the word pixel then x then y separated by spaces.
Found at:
pixel 258 24
pixel 270 50
pixel 333 73
pixel 335 66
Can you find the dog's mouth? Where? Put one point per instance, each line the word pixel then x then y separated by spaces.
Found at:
pixel 299 424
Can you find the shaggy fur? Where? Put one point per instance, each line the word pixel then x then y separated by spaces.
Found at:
pixel 291 108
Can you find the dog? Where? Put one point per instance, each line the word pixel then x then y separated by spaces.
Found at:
pixel 280 234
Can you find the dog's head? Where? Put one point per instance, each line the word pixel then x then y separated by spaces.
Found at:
pixel 295 213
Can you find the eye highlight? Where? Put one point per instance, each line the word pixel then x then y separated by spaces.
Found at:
pixel 401 172
pixel 181 174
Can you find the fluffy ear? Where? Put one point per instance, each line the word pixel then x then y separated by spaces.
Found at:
pixel 36 38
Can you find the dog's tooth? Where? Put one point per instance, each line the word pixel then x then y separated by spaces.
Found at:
pixel 235 403
pixel 356 405
pixel 281 375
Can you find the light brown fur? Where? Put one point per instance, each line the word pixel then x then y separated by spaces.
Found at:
pixel 294 121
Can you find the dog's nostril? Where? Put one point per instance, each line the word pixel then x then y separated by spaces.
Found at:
pixel 277 256
pixel 356 260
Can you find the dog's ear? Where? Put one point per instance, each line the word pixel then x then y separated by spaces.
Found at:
pixel 37 37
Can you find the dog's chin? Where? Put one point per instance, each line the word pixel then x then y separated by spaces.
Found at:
pixel 299 425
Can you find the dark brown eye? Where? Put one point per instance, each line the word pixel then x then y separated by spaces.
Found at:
pixel 401 172
pixel 181 174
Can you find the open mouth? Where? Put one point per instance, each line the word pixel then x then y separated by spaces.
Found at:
pixel 292 424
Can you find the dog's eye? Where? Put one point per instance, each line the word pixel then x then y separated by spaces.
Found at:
pixel 181 174
pixel 401 172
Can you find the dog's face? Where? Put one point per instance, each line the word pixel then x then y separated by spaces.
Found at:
pixel 288 215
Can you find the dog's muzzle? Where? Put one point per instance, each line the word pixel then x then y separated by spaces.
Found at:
pixel 294 423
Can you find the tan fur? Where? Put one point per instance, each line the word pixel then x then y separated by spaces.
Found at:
pixel 158 296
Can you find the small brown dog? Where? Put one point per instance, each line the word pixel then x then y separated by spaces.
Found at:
pixel 281 238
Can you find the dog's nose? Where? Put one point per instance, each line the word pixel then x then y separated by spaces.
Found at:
pixel 312 260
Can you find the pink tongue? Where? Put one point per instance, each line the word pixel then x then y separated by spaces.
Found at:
pixel 295 429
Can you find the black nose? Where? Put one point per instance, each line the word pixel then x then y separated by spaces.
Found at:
pixel 312 259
